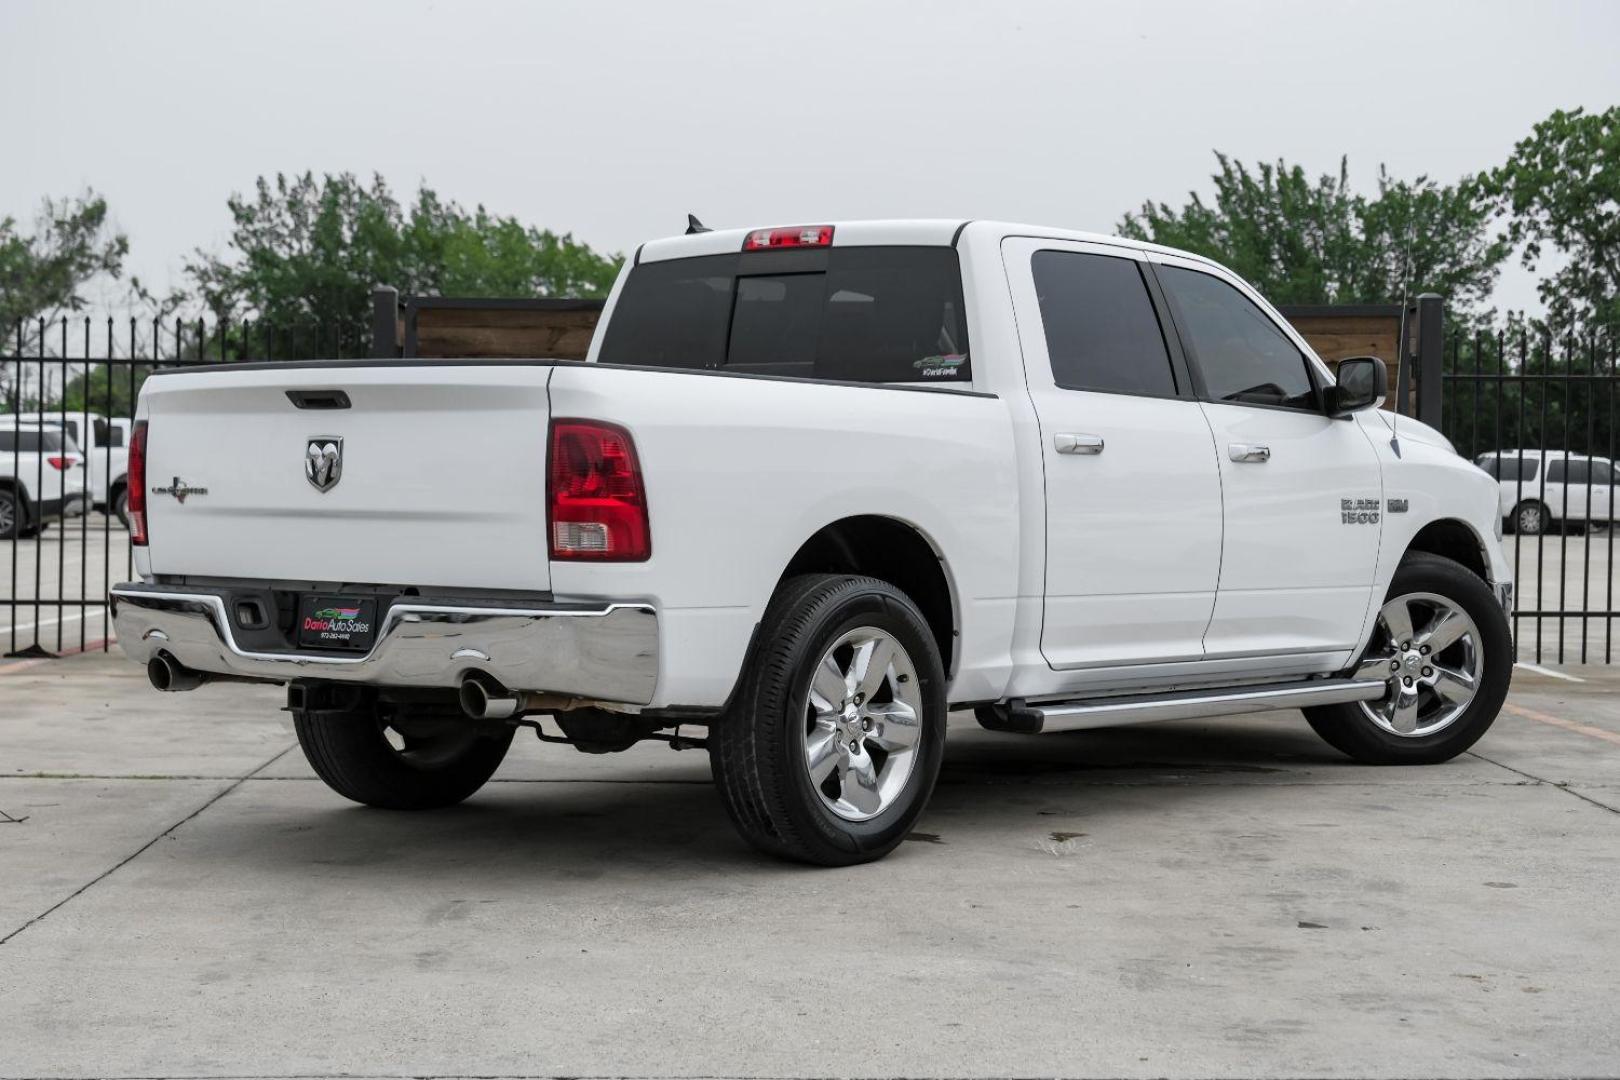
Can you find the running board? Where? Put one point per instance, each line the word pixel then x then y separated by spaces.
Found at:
pixel 1180 705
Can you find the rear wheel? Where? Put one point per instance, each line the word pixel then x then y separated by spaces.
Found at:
pixel 120 505
pixel 386 757
pixel 10 516
pixel 1443 649
pixel 830 752
pixel 1529 518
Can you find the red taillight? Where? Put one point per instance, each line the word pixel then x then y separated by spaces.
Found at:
pixel 60 464
pixel 135 479
pixel 598 507
pixel 797 236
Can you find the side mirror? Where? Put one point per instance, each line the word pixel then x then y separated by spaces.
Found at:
pixel 1363 383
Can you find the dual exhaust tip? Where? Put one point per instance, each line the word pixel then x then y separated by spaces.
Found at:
pixel 164 674
pixel 484 699
pixel 481 698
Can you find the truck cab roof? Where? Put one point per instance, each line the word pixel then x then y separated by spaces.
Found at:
pixel 911 232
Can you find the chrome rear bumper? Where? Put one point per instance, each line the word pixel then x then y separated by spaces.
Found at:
pixel 605 652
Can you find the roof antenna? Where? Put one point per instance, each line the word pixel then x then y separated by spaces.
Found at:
pixel 1400 360
pixel 693 225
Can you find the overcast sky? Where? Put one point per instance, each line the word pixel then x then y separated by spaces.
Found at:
pixel 612 120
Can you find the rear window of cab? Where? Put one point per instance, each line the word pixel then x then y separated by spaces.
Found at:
pixel 855 314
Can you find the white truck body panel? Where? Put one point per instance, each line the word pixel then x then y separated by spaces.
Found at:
pixel 741 472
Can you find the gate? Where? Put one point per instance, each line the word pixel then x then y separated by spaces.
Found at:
pixel 67 396
pixel 1537 411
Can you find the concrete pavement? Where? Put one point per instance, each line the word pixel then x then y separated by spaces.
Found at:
pixel 182 898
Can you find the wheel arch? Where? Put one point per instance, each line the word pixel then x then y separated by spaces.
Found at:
pixel 1454 539
pixel 20 490
pixel 890 550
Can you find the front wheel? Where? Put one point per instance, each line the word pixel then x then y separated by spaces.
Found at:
pixel 388 757
pixel 831 750
pixel 1444 652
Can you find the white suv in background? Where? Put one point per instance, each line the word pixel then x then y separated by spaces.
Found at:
pixel 41 477
pixel 1545 489
pixel 104 442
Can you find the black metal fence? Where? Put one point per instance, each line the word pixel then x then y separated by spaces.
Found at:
pixel 1548 396
pixel 1538 411
pixel 67 395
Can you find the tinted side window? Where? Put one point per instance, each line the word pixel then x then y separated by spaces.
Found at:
pixel 29 442
pixel 1555 471
pixel 1101 330
pixel 1243 356
pixel 1510 469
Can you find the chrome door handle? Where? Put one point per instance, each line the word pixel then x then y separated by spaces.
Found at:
pixel 1078 444
pixel 1239 451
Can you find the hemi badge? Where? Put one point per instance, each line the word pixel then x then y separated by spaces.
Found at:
pixel 1397 506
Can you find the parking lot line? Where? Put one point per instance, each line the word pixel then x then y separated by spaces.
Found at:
pixel 1549 672
pixel 1559 721
pixel 67 616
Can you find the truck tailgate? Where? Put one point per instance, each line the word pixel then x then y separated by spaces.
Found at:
pixel 441 478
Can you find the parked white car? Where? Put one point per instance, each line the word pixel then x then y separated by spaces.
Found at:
pixel 41 477
pixel 815 486
pixel 1542 490
pixel 104 442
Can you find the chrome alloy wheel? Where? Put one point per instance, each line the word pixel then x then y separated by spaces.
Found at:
pixel 1429 654
pixel 862 724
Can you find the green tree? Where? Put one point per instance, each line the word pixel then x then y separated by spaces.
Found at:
pixel 306 251
pixel 1301 240
pixel 1560 190
pixel 43 273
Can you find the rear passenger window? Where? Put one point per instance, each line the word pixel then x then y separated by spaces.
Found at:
pixel 1512 468
pixel 1101 330
pixel 1556 471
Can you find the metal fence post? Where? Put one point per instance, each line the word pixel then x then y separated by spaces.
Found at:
pixel 1430 357
pixel 384 322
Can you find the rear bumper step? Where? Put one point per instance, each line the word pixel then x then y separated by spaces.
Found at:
pixel 606 652
pixel 1180 705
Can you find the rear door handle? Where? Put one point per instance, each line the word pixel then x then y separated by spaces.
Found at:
pixel 1078 444
pixel 1239 451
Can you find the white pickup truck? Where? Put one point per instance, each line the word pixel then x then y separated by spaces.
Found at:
pixel 813 488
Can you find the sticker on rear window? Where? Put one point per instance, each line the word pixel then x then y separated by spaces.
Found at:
pixel 940 367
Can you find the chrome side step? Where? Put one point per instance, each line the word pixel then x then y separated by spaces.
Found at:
pixel 1179 705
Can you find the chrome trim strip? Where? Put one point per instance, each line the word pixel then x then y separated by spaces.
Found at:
pixel 608 652
pixel 1144 709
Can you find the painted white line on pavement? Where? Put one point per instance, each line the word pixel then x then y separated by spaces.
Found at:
pixel 67 617
pixel 1539 670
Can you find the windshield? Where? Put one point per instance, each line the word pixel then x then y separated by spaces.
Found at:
pixel 858 314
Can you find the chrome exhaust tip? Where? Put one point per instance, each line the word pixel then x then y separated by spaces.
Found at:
pixel 487 701
pixel 164 674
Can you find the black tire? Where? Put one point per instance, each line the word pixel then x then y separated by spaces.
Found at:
pixel 11 515
pixel 444 762
pixel 1530 518
pixel 120 505
pixel 1348 729
pixel 757 747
